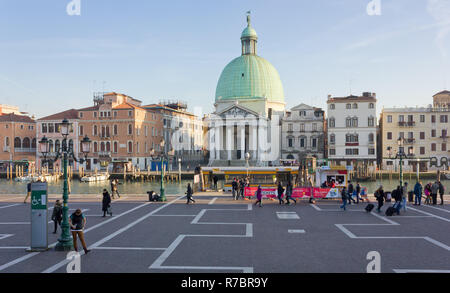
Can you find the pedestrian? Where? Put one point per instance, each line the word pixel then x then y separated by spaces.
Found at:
pixel 289 193
pixel 28 192
pixel 189 193
pixel 358 191
pixel 404 195
pixel 57 214
pixel 441 192
pixel 418 189
pixel 344 195
pixel 434 192
pixel 379 195
pixel 116 188
pixel 242 187
pixel 234 187
pixel 280 192
pixel 259 196
pixel 106 203
pixel 77 222
pixel 215 179
pixel 350 193
pixel 427 191
pixel 397 195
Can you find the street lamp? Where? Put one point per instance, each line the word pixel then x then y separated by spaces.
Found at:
pixel 247 158
pixel 179 169
pixel 400 155
pixel 162 191
pixel 65 242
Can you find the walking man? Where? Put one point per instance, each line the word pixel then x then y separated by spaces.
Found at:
pixel 234 188
pixel 418 193
pixel 215 179
pixel 441 192
pixel 358 192
pixel 57 214
pixel 280 192
pixel 350 193
pixel 344 198
pixel 379 195
pixel 434 191
pixel 106 203
pixel 259 196
pixel 289 193
pixel 189 193
pixel 77 222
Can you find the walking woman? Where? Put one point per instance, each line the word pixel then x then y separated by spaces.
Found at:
pixel 77 222
pixel 189 194
pixel 106 203
pixel 418 193
pixel 379 195
pixel 57 214
pixel 259 196
pixel 289 193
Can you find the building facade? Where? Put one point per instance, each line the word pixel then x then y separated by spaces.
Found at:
pixel 18 140
pixel 249 103
pixel 352 130
pixel 303 133
pixel 424 131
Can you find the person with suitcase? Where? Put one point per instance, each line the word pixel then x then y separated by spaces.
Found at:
pixel 289 193
pixel 379 195
pixel 398 197
pixel 106 203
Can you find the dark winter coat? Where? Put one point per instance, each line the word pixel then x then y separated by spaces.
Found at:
pixel 106 201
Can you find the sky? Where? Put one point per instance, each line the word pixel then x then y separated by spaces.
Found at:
pixel 176 49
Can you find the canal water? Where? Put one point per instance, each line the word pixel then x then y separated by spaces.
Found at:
pixel 77 187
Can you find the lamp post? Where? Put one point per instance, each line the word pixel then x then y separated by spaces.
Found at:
pixel 400 154
pixel 247 158
pixel 65 242
pixel 162 190
pixel 179 170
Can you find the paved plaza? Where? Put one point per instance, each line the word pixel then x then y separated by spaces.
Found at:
pixel 218 234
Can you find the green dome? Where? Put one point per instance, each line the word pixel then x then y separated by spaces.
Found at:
pixel 249 32
pixel 249 77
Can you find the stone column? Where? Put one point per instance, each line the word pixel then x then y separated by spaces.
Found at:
pixel 217 143
pixel 229 140
pixel 242 141
pixel 212 143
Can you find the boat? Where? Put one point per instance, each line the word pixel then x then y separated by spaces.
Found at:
pixel 95 177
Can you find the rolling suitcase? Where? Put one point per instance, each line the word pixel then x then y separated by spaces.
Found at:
pixel 369 207
pixel 390 211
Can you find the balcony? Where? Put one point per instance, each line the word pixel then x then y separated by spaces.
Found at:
pixel 104 154
pixel 24 150
pixel 6 149
pixel 409 140
pixel 444 137
pixel 352 144
pixel 407 124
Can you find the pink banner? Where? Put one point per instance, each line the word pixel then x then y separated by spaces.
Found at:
pixel 300 192
pixel 268 192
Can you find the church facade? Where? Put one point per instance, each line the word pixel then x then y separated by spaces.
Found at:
pixel 249 104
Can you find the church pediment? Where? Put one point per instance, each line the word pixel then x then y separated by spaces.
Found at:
pixel 236 111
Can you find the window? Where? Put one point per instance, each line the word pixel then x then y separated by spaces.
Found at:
pixel 95 114
pixel 302 142
pixel 102 146
pixel 433 118
pixel 44 127
pixel 371 151
pixel 332 139
pixel 51 128
pixel 290 127
pixel 444 118
pixel 332 106
pixel 81 130
pixel 95 130
pixel 130 129
pixel 115 130
pixel 7 141
pixel 81 114
pixel 422 135
pixel 314 127
pixel 444 133
pixel 389 135
pixel 389 163
pixel 410 135
pixel 115 114
pixel 57 145
pixel 130 113
pixel 354 122
pixel 107 131
pixel 332 123
pixel 130 146
pixel 410 118
pixel 371 106
pixel 290 142
pixel 355 106
pixel 433 133
pixel 332 152
pixel 389 118
pixel 314 143
pixel 433 147
pixel 95 147
pixel 101 114
pixel 348 106
pixel 422 150
pixel 146 130
pixel 115 147
pixel 401 118
pixel 348 122
pixel 371 122
pixel 302 127
pixel 422 118
pixel 351 138
pixel 444 147
pixel 371 138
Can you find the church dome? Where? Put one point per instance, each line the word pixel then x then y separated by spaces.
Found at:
pixel 249 76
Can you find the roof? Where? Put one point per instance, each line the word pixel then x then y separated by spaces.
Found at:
pixel 92 108
pixel 351 98
pixel 127 106
pixel 119 94
pixel 16 118
pixel 443 93
pixel 69 114
pixel 162 107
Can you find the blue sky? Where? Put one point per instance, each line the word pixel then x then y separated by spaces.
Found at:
pixel 153 50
